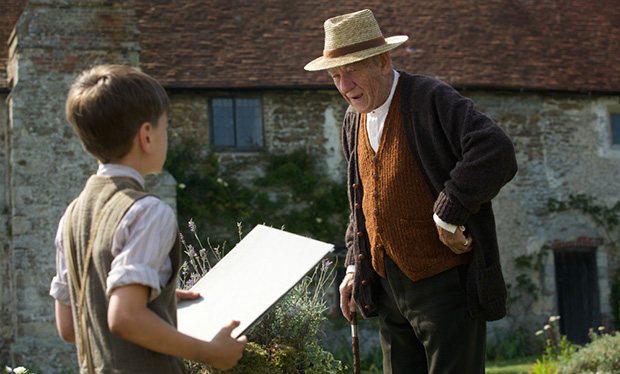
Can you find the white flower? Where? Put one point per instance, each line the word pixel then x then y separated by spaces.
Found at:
pixel 182 186
pixel 319 220
pixel 7 370
pixel 554 318
pixel 547 327
pixel 601 328
pixel 539 332
pixel 20 370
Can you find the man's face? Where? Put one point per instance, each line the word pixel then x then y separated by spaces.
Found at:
pixel 364 84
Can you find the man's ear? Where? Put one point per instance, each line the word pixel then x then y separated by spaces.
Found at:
pixel 144 137
pixel 386 62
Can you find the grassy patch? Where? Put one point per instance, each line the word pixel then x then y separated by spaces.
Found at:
pixel 515 366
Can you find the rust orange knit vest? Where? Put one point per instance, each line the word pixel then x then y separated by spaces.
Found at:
pixel 398 205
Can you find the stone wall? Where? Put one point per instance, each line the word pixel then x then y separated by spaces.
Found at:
pixel 562 145
pixel 54 40
pixel 563 148
pixel 5 291
pixel 308 120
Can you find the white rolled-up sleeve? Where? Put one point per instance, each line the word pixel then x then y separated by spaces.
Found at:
pixel 141 247
pixel 59 289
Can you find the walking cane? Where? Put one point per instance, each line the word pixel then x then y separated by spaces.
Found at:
pixel 355 343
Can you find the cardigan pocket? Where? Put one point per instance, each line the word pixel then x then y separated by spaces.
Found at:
pixel 491 287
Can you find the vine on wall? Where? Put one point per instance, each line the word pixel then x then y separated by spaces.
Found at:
pixel 294 193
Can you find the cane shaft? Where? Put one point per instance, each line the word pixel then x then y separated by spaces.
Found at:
pixel 355 344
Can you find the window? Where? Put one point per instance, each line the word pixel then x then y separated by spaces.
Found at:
pixel 615 128
pixel 236 122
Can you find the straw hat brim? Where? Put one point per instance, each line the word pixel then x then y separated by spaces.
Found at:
pixel 323 63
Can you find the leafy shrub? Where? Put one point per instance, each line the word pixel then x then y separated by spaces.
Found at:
pixel 512 343
pixel 602 355
pixel 286 339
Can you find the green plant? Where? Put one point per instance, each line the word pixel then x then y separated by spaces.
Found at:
pixel 511 344
pixel 294 192
pixel 286 339
pixel 557 348
pixel 602 355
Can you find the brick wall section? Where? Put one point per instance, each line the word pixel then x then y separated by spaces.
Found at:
pixel 54 41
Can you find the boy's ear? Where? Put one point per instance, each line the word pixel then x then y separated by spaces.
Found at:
pixel 144 137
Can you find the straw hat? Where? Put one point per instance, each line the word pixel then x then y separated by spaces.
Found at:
pixel 353 37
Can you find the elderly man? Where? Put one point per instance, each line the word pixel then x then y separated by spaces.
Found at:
pixel 423 166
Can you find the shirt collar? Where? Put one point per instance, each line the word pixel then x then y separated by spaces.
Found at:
pixel 383 109
pixel 116 170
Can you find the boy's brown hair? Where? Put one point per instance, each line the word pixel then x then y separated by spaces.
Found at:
pixel 107 104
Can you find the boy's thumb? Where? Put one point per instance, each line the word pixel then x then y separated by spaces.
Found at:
pixel 231 326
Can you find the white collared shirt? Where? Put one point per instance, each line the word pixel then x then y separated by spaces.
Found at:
pixel 140 246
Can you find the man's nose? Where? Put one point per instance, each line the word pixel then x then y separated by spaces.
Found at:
pixel 346 83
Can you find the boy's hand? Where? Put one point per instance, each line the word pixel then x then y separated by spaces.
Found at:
pixel 186 295
pixel 226 351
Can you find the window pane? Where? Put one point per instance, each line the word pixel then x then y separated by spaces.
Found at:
pixel 615 129
pixel 223 123
pixel 249 123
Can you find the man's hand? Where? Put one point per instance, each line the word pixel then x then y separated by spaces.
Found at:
pixel 347 304
pixel 457 242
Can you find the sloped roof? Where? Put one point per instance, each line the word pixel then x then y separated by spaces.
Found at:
pixel 564 45
pixel 524 44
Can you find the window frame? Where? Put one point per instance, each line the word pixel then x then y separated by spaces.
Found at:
pixel 235 147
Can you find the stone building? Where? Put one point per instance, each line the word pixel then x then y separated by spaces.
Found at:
pixel 234 71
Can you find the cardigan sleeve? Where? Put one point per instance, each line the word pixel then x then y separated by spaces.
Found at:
pixel 485 156
pixel 349 238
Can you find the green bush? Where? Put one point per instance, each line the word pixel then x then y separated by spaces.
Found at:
pixel 512 343
pixel 602 355
pixel 286 339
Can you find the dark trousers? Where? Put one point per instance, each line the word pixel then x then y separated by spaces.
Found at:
pixel 425 326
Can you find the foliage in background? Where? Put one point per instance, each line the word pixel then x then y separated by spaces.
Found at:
pixel 602 355
pixel 295 192
pixel 606 218
pixel 286 339
pixel 557 348
pixel 512 343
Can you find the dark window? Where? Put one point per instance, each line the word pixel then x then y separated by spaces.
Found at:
pixel 237 122
pixel 615 128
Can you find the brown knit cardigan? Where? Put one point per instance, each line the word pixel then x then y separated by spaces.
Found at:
pixel 465 159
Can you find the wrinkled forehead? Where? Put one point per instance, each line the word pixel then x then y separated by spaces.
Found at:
pixel 349 67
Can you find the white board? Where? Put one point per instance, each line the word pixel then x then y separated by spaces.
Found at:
pixel 252 277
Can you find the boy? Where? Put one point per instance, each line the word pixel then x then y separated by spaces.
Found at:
pixel 117 247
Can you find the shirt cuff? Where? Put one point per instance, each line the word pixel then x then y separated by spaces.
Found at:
pixel 59 290
pixel 350 269
pixel 134 274
pixel 444 225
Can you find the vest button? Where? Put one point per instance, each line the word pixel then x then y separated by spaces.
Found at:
pixel 360 234
pixel 357 206
pixel 360 257
pixel 354 186
pixel 380 247
pixel 364 282
pixel 366 306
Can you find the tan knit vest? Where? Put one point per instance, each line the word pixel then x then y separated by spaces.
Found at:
pixel 397 204
pixel 106 200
